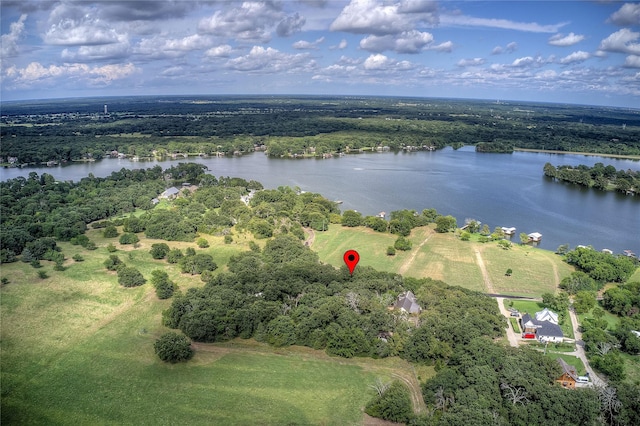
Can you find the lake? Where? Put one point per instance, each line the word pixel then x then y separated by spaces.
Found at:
pixel 497 189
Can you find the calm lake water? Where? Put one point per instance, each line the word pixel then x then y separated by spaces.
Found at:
pixel 497 189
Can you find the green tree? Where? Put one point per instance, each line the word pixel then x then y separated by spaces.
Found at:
pixel 584 301
pixel 110 232
pixel 173 347
pixel 351 218
pixel 202 243
pixel 174 255
pixel 113 262
pixel 159 250
pixel 129 238
pixel 445 224
pixel 129 276
pixel 524 238
pixel 402 243
pixel 391 251
pixel 393 404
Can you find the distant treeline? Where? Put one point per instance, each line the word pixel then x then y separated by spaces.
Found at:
pixel 599 176
pixel 161 127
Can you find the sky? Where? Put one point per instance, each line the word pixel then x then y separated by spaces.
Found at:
pixel 579 52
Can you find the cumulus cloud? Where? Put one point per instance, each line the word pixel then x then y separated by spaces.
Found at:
pixel 575 57
pixel 509 48
pixel 222 51
pixel 632 61
pixel 447 46
pixel 159 47
pixel 9 41
pixel 406 42
pixel 379 18
pixel 271 60
pixel 568 40
pixel 35 72
pixel 307 45
pixel 530 61
pixel 627 15
pixel 470 62
pixel 378 62
pixel 97 53
pixel 71 25
pixel 290 25
pixel 252 21
pixel 621 42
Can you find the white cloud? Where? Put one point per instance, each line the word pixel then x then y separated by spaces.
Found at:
pixel 568 40
pixel 510 48
pixel 470 62
pixel 71 25
pixel 381 18
pixel 621 42
pixel 9 41
pixel 407 42
pixel 252 21
pixel 632 61
pixel 271 60
pixel 290 25
pixel 160 48
pixel 222 51
pixel 447 46
pixel 378 62
pixel 307 45
pixel 627 15
pixel 95 53
pixel 35 72
pixel 470 21
pixel 575 57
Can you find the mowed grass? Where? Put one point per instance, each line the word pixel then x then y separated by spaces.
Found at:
pixel 77 348
pixel 445 257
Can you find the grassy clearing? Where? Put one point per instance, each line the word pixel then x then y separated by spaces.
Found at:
pixel 77 348
pixel 446 258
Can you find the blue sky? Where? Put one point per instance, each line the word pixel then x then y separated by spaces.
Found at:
pixel 555 51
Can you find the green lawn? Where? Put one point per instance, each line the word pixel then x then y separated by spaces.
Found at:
pixel 571 360
pixel 445 257
pixel 77 348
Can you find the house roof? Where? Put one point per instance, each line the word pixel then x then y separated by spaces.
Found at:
pixel 407 302
pixel 543 328
pixel 547 315
pixel 170 191
pixel 568 369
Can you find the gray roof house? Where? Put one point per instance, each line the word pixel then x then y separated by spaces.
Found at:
pixel 407 302
pixel 170 193
pixel 545 331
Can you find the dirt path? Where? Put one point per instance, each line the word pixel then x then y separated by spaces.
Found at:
pixel 412 383
pixel 311 237
pixel 407 263
pixel 580 353
pixel 511 334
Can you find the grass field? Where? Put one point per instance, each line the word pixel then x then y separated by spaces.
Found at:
pixel 77 348
pixel 446 258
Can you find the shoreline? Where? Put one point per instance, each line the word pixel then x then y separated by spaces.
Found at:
pixel 592 154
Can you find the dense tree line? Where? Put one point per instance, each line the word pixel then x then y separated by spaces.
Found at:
pixel 602 267
pixel 42 132
pixel 599 176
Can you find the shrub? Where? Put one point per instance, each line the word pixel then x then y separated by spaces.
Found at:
pixel 159 250
pixel 78 257
pixel 173 347
pixel 174 255
pixel 391 251
pixel 110 232
pixel 129 238
pixel 402 244
pixel 112 263
pixel 228 239
pixel 42 275
pixel 394 404
pixel 111 248
pixel 129 276
pixel 202 243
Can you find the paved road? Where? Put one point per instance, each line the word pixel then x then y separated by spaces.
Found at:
pixel 579 352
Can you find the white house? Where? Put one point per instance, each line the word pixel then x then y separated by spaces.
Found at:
pixel 547 315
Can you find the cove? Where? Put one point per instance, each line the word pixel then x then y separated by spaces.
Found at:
pixel 497 189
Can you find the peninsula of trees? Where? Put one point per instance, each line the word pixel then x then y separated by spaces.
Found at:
pixel 599 177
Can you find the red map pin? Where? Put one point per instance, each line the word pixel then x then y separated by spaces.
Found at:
pixel 351 258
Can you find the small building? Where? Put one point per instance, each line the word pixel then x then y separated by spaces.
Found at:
pixel 607 251
pixel 543 331
pixel 569 376
pixel 508 231
pixel 382 215
pixel 535 237
pixel 547 315
pixel 407 302
pixel 169 193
